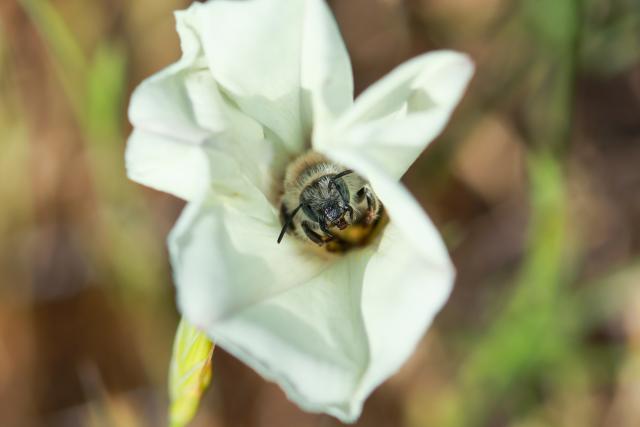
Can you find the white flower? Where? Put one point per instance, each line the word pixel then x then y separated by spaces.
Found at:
pixel 258 83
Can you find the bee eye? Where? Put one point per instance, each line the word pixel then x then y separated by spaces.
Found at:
pixel 309 212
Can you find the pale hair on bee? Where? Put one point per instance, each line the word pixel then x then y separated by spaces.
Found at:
pixel 322 198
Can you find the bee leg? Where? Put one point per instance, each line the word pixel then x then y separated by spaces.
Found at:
pixel 350 210
pixel 312 235
pixel 372 205
pixel 326 231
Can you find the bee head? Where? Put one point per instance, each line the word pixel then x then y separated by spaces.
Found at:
pixel 326 201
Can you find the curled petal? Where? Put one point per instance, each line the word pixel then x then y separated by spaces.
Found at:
pixel 165 151
pixel 395 119
pixel 280 64
pixel 180 117
pixel 405 283
pixel 402 292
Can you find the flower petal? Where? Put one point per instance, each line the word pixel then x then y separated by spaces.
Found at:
pixel 280 65
pixel 180 117
pixel 165 164
pixel 165 150
pixel 310 340
pixel 395 119
pixel 399 204
pixel 225 256
pixel 407 280
pixel 296 319
pixel 402 292
pixel 329 340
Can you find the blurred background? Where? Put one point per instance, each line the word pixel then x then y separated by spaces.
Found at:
pixel 535 185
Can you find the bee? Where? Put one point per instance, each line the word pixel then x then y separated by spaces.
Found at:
pixel 322 198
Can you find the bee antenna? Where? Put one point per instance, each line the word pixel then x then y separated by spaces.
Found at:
pixel 287 223
pixel 341 174
pixel 332 180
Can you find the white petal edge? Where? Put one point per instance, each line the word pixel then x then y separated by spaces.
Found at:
pixel 165 164
pixel 164 151
pixel 395 119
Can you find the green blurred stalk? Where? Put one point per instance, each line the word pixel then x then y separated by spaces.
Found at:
pixel 69 62
pixel 122 240
pixel 557 30
pixel 529 333
pixel 95 87
pixel 533 330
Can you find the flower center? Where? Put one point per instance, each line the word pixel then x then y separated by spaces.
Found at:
pixel 328 205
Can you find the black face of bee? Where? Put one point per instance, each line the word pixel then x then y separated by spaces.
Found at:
pixel 325 202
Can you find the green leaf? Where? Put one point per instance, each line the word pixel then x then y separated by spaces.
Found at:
pixel 189 373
